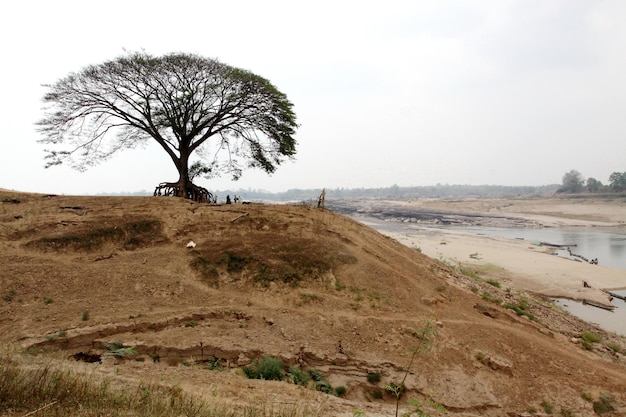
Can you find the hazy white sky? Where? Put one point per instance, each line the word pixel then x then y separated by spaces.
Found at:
pixel 415 92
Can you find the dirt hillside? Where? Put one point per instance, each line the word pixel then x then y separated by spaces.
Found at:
pixel 308 286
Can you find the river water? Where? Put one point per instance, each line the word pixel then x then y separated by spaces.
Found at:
pixel 608 245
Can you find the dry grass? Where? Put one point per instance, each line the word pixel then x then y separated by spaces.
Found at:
pixel 56 390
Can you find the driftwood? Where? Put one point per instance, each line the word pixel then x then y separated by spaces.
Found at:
pixel 598 305
pixel 612 294
pixel 239 217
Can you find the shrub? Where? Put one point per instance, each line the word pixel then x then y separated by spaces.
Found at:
pixel 614 347
pixel 216 364
pixel 8 297
pixel 587 345
pixel 324 387
pixel 547 407
pixel 493 282
pixel 117 349
pixel 373 377
pixel 603 405
pixel 267 368
pixel 316 375
pixel 299 377
pixel 491 298
pixel 586 396
pixel 85 315
pixel 340 391
pixel 377 394
pixel 469 272
pixel 591 337
pixel 521 309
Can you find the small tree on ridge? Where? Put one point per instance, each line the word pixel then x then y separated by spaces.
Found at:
pixel 188 104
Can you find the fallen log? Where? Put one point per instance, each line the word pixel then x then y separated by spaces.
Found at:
pixel 557 245
pixel 615 295
pixel 598 305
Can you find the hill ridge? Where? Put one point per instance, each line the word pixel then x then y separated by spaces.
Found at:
pixel 312 287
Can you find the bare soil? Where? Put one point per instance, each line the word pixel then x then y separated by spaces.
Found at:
pixel 311 287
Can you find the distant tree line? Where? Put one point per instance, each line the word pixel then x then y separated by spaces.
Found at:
pixel 396 192
pixel 574 182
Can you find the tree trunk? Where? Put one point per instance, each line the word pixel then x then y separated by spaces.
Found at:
pixel 184 184
pixel 184 187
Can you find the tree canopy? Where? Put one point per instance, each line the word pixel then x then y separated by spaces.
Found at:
pixel 227 118
pixel 573 182
pixel 617 181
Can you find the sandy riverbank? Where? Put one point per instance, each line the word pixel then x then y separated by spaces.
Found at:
pixel 518 263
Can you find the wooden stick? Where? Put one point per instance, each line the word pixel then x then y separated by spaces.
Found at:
pixel 40 408
pixel 239 217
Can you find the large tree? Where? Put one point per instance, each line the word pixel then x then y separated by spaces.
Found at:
pixel 573 182
pixel 225 117
pixel 617 181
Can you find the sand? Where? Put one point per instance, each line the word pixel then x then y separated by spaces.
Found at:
pixel 519 263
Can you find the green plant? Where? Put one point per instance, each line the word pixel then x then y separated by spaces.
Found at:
pixel 419 405
pixel 268 368
pixel 469 272
pixel 299 377
pixel 614 347
pixel 373 377
pixel 47 300
pixel 340 391
pixel 57 390
pixel 521 309
pixel 307 298
pixel 603 405
pixel 377 394
pixel 491 298
pixel 591 337
pixel 324 387
pixel 8 297
pixel 547 407
pixel 85 315
pixel 216 364
pixel 567 412
pixel 493 282
pixel 207 270
pixel 425 336
pixel 116 349
pixel 191 323
pixel 316 375
pixel 57 335
pixel 587 345
pixel 339 286
pixel 586 396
